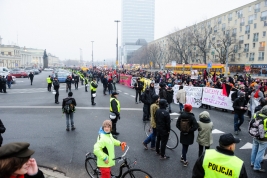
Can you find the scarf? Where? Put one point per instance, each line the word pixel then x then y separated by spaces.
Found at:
pixel 256 95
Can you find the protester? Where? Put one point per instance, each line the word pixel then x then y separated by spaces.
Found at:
pixel 152 137
pixel 169 97
pixel 221 161
pixel 257 126
pixel 68 108
pixel 163 126
pixel 181 97
pixel 187 125
pixel 2 130
pixel 204 137
pixel 16 161
pixel 56 85
pixel 138 86
pixel 31 77
pixel 104 149
pixel 240 107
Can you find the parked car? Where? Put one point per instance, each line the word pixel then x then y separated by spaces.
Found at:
pixel 48 69
pixel 19 74
pixel 13 79
pixel 36 71
pixel 62 76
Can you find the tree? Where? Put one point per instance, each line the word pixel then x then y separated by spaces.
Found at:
pixel 225 44
pixel 155 53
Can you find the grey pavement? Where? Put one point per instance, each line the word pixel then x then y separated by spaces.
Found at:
pixel 35 118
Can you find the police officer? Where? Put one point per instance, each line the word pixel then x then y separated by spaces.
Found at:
pixel 86 83
pixel 220 162
pixel 56 85
pixel 93 87
pixel 82 78
pixel 49 83
pixel 115 108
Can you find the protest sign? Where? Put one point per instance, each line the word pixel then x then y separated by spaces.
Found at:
pixel 194 74
pixel 214 97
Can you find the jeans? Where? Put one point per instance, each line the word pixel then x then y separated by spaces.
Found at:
pixel 162 140
pixel 184 151
pixel 110 92
pixel 9 84
pixel 200 149
pixel 56 95
pixel 152 138
pixel 69 117
pixel 237 124
pixel 114 84
pixel 181 107
pixel 257 153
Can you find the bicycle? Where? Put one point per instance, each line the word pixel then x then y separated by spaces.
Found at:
pixel 173 139
pixel 94 172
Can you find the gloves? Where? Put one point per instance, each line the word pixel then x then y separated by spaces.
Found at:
pixel 123 144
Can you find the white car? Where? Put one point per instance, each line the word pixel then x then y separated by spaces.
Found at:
pixel 48 69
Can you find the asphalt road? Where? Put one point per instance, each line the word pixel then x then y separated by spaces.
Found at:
pixel 30 114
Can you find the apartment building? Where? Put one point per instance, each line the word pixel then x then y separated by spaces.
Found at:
pixel 242 30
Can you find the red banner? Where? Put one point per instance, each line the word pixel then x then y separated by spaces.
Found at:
pixel 125 80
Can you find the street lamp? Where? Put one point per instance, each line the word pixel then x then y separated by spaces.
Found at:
pixel 104 61
pixel 92 55
pixel 117 60
pixel 183 67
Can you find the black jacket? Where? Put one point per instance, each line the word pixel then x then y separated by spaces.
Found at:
pixel 56 84
pixel 239 103
pixel 163 93
pixel 68 81
pixel 2 130
pixel 31 76
pixel 187 138
pixel 114 107
pixel 163 121
pixel 38 175
pixel 140 85
pixel 169 95
pixel 146 98
pixel 105 82
pixel 198 171
pixel 67 99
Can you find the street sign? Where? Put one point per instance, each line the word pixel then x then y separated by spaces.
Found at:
pixel 209 65
pixel 173 63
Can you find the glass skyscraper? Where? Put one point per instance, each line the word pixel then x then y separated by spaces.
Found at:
pixel 138 18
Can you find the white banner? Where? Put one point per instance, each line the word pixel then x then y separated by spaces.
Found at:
pixel 194 74
pixel 193 95
pixel 214 97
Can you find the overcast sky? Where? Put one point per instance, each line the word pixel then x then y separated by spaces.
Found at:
pixel 62 27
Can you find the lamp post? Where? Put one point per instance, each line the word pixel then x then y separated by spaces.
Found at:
pixel 117 60
pixel 183 67
pixel 104 61
pixel 92 55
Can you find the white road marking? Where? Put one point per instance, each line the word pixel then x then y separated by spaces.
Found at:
pixel 174 114
pixel 246 146
pixel 119 90
pixel 59 107
pixel 216 131
pixel 133 96
pixel 126 93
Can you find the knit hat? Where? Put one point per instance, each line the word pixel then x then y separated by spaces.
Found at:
pixel 204 114
pixel 155 97
pixel 264 110
pixel 187 107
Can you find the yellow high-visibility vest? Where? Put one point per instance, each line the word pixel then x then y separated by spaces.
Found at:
pixel 118 105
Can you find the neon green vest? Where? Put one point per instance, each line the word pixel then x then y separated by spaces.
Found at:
pixel 218 165
pixel 264 123
pixel 118 104
pixel 48 80
pixel 91 87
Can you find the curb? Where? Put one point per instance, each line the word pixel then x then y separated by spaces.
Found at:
pixel 50 173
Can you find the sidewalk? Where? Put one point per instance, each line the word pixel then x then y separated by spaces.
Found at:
pixel 49 173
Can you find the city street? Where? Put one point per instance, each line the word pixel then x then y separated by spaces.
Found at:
pixel 30 114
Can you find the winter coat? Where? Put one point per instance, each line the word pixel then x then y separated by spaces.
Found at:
pixel 2 130
pixel 104 148
pixel 239 103
pixel 204 137
pixel 187 138
pixel 169 95
pixel 110 85
pixel 163 93
pixel 181 96
pixel 153 109
pixel 163 121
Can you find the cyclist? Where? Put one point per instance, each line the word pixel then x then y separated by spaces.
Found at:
pixel 104 149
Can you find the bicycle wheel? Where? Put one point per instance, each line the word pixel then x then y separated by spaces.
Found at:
pixel 136 173
pixel 173 140
pixel 148 128
pixel 91 166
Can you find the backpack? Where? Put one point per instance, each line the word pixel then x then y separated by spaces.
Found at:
pixel 184 125
pixel 253 127
pixel 69 107
pixel 234 96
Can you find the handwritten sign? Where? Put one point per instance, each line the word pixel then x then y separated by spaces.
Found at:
pixel 193 95
pixel 214 97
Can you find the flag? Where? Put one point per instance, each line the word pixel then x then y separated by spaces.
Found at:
pixel 214 76
pixel 226 89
